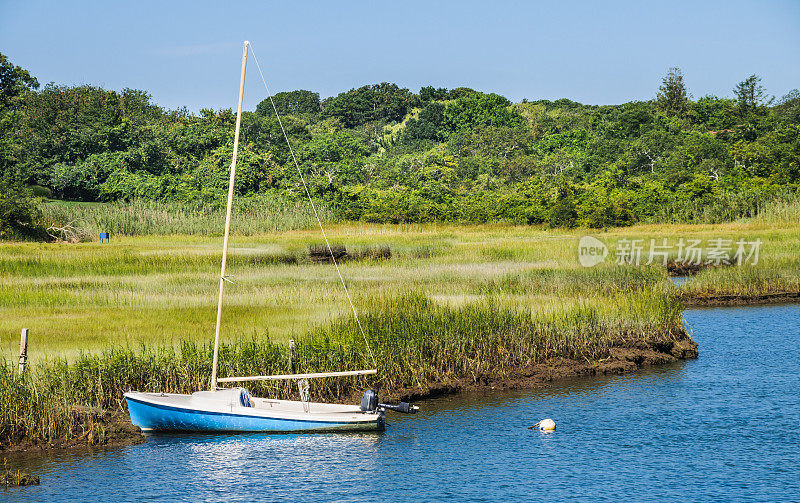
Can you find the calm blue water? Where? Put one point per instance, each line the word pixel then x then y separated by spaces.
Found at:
pixel 721 428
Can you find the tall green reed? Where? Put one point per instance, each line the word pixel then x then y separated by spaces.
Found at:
pixel 416 341
pixel 141 217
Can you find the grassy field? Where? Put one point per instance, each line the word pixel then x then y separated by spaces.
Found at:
pixel 162 289
pixel 85 296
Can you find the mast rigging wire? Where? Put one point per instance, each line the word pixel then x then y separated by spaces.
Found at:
pixel 313 207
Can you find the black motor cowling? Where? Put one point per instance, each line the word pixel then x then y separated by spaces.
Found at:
pixel 369 402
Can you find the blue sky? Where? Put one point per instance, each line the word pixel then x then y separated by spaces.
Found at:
pixel 599 52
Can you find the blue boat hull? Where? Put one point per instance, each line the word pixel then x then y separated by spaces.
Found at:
pixel 159 417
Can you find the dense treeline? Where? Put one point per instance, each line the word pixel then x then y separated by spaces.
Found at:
pixel 382 153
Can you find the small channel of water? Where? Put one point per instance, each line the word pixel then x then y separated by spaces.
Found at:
pixel 679 280
pixel 721 428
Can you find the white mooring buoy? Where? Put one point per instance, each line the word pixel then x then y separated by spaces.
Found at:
pixel 545 425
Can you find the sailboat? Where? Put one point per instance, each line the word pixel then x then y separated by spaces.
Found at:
pixel 234 409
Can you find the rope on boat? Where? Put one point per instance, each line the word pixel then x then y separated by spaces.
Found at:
pixel 313 207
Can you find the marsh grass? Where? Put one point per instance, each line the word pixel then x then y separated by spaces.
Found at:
pixel 162 289
pixel 784 210
pixel 144 217
pixel 766 279
pixel 729 206
pixel 416 341
pixel 777 270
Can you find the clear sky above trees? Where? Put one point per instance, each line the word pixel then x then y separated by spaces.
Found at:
pixel 187 53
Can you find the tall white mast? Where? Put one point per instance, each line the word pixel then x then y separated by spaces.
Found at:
pixel 222 277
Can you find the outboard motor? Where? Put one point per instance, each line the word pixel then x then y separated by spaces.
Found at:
pixel 369 402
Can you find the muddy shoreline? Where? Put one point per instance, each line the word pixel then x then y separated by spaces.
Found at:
pixel 119 432
pixel 624 357
pixel 695 300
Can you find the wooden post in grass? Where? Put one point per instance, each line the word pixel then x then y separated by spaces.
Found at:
pixel 23 350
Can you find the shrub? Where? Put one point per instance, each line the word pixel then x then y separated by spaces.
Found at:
pixel 20 217
pixel 40 191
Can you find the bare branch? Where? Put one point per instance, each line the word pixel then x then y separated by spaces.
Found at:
pixel 68 233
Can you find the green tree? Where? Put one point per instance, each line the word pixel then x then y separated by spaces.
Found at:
pixel 298 102
pixel 332 147
pixel 459 92
pixel 478 109
pixel 490 141
pixel 192 138
pixel 19 215
pixel 789 106
pixel 563 213
pixel 714 113
pixel 66 125
pixel 427 126
pixel 430 93
pixel 750 94
pixel 15 84
pixel 671 97
pixel 265 133
pixel 378 102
